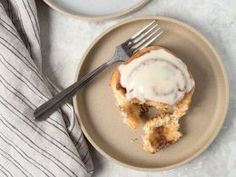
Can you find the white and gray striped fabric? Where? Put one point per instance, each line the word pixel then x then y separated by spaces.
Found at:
pixel 27 147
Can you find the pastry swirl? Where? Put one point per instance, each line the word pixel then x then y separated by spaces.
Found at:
pixel 153 77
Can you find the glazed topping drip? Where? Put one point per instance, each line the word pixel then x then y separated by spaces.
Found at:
pixel 156 76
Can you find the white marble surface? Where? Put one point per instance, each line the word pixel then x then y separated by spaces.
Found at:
pixel 64 40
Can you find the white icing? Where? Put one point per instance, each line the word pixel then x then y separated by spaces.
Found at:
pixel 158 76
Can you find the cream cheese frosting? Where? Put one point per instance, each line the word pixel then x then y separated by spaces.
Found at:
pixel 157 76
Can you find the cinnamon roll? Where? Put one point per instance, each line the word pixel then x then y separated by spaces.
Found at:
pixel 154 77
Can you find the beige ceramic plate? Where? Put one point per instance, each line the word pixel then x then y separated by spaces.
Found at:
pixel 101 120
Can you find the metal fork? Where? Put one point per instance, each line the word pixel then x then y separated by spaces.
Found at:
pixel 138 41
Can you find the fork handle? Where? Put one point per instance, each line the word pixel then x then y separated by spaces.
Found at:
pixel 47 108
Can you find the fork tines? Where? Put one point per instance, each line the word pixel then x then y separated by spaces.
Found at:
pixel 145 36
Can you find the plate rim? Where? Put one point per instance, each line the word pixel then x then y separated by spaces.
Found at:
pixel 66 12
pixel 210 138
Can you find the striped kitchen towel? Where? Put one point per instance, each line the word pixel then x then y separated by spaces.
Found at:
pixel 28 147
